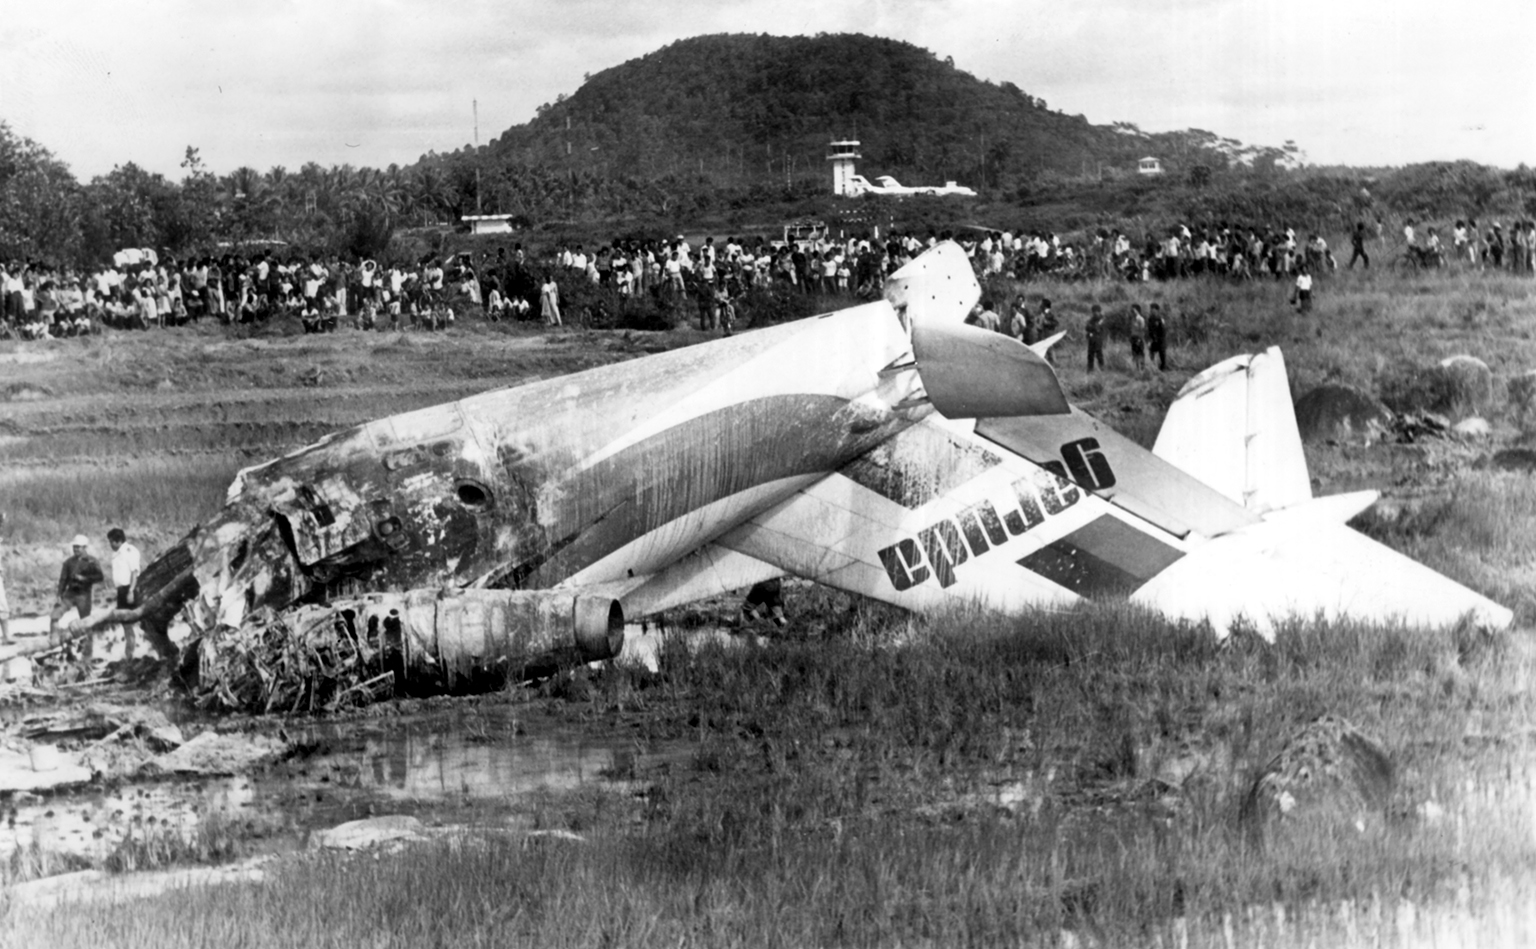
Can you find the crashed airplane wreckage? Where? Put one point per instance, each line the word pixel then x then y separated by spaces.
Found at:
pixel 888 449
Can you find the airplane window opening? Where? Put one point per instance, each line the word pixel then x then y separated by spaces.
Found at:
pixel 391 532
pixel 473 494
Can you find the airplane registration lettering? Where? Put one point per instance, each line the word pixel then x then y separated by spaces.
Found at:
pixel 1036 496
pixel 980 522
pixel 1056 493
pixel 1028 515
pixel 945 550
pixel 1088 465
pixel 904 564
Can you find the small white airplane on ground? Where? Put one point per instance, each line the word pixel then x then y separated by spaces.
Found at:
pixel 858 184
pixel 889 449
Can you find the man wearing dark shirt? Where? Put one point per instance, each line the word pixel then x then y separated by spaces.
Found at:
pixel 1094 331
pixel 79 575
pixel 1357 246
pixel 1157 337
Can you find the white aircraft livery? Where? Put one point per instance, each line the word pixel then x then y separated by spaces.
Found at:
pixel 858 184
pixel 888 449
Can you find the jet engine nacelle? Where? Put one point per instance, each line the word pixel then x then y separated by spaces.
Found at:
pixel 431 641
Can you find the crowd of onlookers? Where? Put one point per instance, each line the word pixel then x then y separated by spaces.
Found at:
pixel 140 290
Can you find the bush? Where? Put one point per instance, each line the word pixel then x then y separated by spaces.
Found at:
pixel 584 302
pixel 779 302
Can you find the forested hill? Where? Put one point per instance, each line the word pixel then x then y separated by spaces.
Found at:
pixel 745 109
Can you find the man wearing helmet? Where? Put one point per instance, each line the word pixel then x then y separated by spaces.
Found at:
pixel 79 575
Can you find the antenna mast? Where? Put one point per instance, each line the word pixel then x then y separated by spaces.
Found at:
pixel 474 105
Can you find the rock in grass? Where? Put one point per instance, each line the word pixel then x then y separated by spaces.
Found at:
pixel 1330 771
pixel 360 834
pixel 1512 459
pixel 1340 413
pixel 1522 398
pixel 1469 385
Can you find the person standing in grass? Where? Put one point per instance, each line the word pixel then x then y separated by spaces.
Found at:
pixel 549 301
pixel 77 578
pixel 984 316
pixel 1046 321
pixel 1157 337
pixel 1138 338
pixel 1093 330
pixel 126 564
pixel 5 606
pixel 1021 326
pixel 1303 295
pixel 1357 247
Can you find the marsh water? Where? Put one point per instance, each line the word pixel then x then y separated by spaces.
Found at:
pixel 495 765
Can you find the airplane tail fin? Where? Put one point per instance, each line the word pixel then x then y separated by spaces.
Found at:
pixel 1233 427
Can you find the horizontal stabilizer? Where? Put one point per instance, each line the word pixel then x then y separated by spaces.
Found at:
pixel 1043 346
pixel 1306 568
pixel 1233 427
pixel 1094 456
pixel 970 372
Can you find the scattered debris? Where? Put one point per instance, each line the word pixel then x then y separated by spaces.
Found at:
pixel 1473 427
pixel 1411 427
pixel 19 770
pixel 100 722
pixel 212 753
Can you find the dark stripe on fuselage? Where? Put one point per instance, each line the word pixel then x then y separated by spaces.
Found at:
pixel 918 465
pixel 679 470
pixel 1105 557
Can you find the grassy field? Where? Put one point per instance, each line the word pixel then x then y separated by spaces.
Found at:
pixel 987 782
pixel 1070 778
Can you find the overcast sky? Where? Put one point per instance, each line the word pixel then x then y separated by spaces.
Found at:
pixel 369 83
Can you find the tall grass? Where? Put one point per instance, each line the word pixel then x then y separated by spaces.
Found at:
pixel 984 782
pixel 48 505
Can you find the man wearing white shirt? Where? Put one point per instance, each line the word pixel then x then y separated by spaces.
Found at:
pixel 126 563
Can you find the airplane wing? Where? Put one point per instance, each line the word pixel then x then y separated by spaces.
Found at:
pixel 939 516
pixel 1295 564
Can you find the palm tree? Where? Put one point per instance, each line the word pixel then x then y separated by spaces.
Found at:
pixel 431 191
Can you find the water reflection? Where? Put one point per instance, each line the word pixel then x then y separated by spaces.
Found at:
pixel 342 772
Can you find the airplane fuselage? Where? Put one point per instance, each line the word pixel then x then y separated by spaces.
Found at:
pixel 609 473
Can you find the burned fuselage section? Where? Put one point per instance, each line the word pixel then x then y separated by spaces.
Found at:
pixel 384 506
pixel 591 482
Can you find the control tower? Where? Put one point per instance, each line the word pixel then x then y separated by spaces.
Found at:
pixel 841 155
